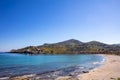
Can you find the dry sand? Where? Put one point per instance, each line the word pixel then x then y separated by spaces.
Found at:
pixel 110 70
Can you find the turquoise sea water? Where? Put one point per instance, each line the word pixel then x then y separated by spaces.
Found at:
pixel 12 64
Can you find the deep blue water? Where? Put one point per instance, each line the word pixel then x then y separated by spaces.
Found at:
pixel 12 64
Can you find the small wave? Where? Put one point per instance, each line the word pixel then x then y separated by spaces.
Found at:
pixel 99 62
pixel 103 60
pixel 81 67
pixel 96 62
pixel 29 75
pixel 4 78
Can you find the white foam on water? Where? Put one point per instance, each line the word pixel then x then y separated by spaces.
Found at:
pixel 30 75
pixel 4 78
pixel 96 62
pixel 103 60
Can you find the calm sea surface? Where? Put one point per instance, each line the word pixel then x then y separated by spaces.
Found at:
pixel 12 64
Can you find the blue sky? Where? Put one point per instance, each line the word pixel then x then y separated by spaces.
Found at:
pixel 34 22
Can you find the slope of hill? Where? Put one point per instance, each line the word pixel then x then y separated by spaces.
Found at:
pixel 116 44
pixel 71 46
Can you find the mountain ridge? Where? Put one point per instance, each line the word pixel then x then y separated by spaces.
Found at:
pixel 71 46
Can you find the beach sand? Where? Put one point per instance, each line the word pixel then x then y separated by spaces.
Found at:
pixel 110 70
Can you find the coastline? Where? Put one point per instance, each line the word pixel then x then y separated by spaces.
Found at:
pixel 109 70
pixel 55 75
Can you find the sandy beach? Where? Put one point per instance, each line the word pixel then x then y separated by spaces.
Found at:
pixel 110 70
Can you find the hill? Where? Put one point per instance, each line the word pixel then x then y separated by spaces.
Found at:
pixel 71 46
pixel 116 44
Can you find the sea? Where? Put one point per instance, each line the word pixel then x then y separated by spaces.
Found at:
pixel 47 66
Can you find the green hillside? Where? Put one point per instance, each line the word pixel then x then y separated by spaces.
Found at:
pixel 71 46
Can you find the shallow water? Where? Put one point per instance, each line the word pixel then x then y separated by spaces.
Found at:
pixel 12 64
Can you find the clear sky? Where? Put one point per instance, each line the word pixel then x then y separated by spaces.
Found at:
pixel 34 22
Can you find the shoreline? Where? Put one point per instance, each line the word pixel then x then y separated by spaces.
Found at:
pixel 109 70
pixel 73 74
